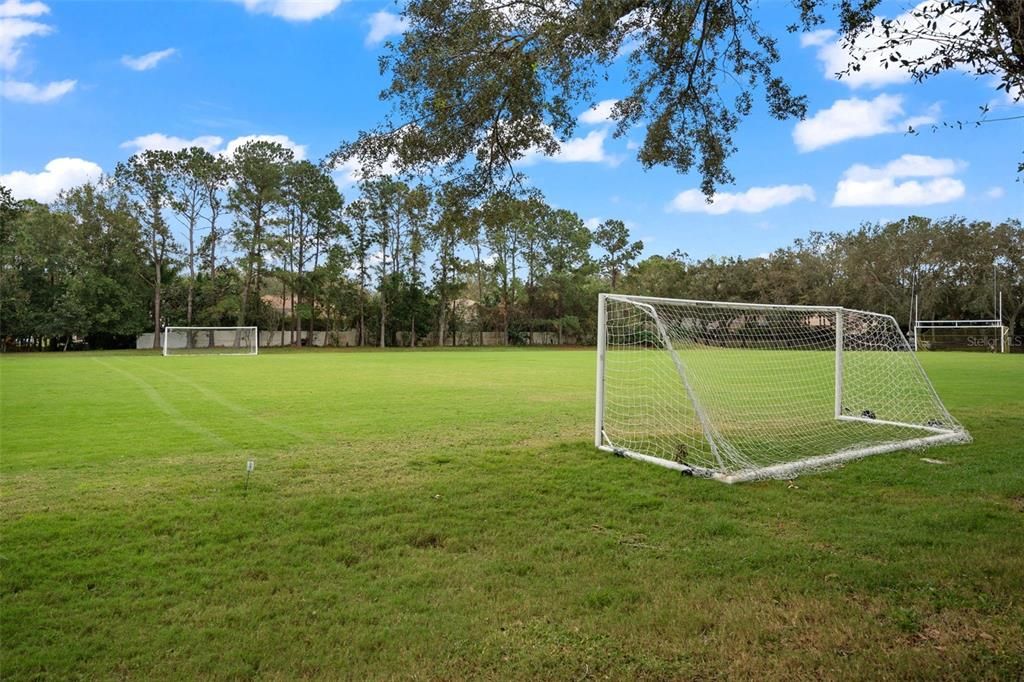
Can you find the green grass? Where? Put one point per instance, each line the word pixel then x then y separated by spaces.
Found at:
pixel 444 515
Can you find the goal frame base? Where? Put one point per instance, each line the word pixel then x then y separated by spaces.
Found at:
pixel 791 469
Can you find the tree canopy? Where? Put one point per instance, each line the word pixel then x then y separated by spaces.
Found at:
pixel 478 84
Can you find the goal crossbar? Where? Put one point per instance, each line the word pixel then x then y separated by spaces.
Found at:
pixel 744 391
pixel 927 324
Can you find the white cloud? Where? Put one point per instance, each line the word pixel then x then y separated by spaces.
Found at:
pixel 148 60
pixel 211 143
pixel 754 200
pixel 299 150
pixel 873 71
pixel 155 141
pixel 353 171
pixel 816 38
pixel 292 10
pixel 863 185
pixel 58 175
pixel 17 91
pixel 907 166
pixel 600 112
pixel 13 32
pixel 588 149
pixel 848 119
pixel 628 47
pixel 384 25
pixel 592 223
pixel 637 22
pixel 995 192
pixel 16 8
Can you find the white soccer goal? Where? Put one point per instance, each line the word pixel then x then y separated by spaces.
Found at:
pixel 211 341
pixel 983 335
pixel 741 391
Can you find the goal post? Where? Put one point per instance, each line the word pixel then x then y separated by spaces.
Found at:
pixel 742 391
pixel 966 335
pixel 211 341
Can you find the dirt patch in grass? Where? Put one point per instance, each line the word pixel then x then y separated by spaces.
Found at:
pixel 426 540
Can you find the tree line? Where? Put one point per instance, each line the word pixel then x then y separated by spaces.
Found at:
pixel 260 238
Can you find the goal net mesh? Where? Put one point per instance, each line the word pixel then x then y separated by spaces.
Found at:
pixel 211 341
pixel 989 338
pixel 751 391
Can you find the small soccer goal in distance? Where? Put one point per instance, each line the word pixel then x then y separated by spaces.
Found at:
pixel 211 341
pixel 961 335
pixel 740 391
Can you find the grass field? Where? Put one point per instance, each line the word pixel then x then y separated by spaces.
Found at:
pixel 438 514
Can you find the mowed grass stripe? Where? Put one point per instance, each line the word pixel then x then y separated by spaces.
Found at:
pixel 212 396
pixel 161 403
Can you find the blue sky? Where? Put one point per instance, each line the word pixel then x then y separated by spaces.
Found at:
pixel 85 84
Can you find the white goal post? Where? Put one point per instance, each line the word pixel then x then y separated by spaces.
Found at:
pixel 211 341
pixel 745 391
pixel 960 335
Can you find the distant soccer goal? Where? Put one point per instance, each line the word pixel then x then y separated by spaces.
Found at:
pixel 740 391
pixel 211 341
pixel 968 335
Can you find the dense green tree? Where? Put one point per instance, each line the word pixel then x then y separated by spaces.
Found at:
pixel 665 277
pixel 189 179
pixel 418 210
pixel 214 173
pixel 361 244
pixel 73 271
pixel 384 199
pixel 257 172
pixel 620 253
pixel 11 292
pixel 503 224
pixel 144 179
pixel 109 261
pixel 450 230
pixel 398 216
pixel 568 271
pixel 312 205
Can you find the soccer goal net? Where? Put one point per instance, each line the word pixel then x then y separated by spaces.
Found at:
pixel 966 335
pixel 211 341
pixel 739 391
